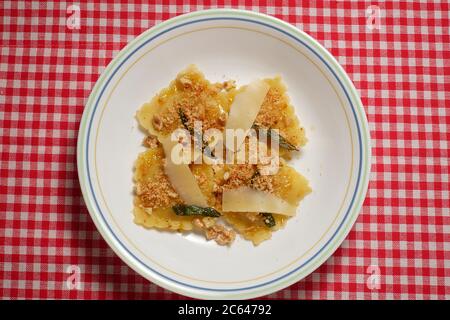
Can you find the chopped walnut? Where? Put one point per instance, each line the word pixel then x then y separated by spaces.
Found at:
pixel 223 118
pixel 185 81
pixel 228 85
pixel 219 233
pixel 157 122
pixel 150 142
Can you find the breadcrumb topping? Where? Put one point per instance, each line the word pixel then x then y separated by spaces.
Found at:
pixel 157 193
pixel 263 183
pixel 238 175
pixel 269 114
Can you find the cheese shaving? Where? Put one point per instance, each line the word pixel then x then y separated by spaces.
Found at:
pixel 245 199
pixel 181 177
pixel 245 108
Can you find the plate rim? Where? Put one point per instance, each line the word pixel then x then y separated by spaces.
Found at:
pixel 294 275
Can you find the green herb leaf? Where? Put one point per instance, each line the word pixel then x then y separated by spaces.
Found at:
pixel 254 176
pixel 207 150
pixel 184 120
pixel 268 219
pixel 192 210
pixel 282 142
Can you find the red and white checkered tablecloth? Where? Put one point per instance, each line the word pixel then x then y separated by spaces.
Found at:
pixel 398 55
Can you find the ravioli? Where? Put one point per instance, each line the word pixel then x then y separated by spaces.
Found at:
pixel 219 199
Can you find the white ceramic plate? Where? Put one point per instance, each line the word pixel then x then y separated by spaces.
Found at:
pixel 241 45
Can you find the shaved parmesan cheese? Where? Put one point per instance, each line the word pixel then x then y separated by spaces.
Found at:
pixel 245 107
pixel 181 177
pixel 246 199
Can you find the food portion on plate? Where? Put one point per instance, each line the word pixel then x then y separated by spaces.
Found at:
pixel 217 159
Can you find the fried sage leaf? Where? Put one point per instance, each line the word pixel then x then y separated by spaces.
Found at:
pixel 255 175
pixel 184 121
pixel 282 142
pixel 192 210
pixel 268 219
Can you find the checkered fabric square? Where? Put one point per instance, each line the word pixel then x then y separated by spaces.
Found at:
pixel 396 52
